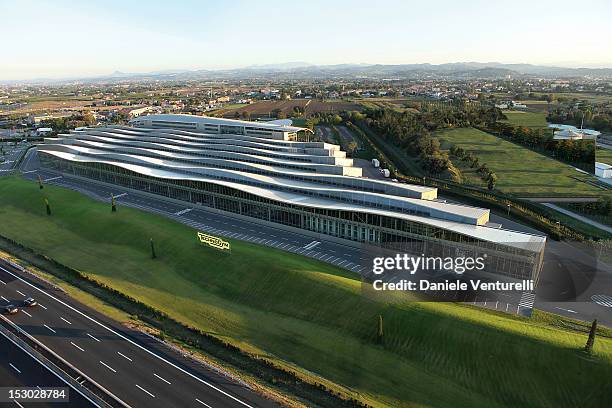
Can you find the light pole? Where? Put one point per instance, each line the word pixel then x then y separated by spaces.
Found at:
pixel 508 205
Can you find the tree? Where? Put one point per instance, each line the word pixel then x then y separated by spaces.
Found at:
pixel 40 182
pixel 351 147
pixel 491 181
pixel 113 204
pixel 48 207
pixel 591 340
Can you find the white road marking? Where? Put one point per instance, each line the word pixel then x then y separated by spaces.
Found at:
pixel 18 404
pixel 42 306
pixel 129 340
pixel 93 337
pixel 163 379
pixel 52 178
pixel 124 356
pixel 565 310
pixel 107 366
pixel 65 320
pixel 182 212
pixel 26 313
pixel 311 245
pixel 2 282
pixel 121 195
pixel 76 346
pixel 49 328
pixel 145 390
pixel 203 403
pixel 602 300
pixel 15 368
pixel 5 299
pixel 21 293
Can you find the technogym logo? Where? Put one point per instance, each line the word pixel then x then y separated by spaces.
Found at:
pixel 413 264
pixel 214 242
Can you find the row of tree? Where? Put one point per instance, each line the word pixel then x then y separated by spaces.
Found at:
pixel 486 174
pixel 411 130
pixel 595 117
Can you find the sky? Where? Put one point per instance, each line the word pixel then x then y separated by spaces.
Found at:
pixel 63 39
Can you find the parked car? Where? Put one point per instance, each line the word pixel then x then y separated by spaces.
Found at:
pixel 10 309
pixel 30 302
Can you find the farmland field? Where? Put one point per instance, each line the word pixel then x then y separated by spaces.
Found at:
pixel 520 170
pixel 263 109
pixel 298 312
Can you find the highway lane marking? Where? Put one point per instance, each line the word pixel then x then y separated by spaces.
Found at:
pixel 107 366
pixel 65 320
pixel 163 379
pixel 203 403
pixel 15 368
pixel 124 356
pixel 76 346
pixel 129 340
pixel 145 390
pixel 5 299
pixel 93 337
pixel 26 313
pixel 49 328
pixel 21 293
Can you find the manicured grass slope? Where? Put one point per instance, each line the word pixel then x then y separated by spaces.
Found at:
pixel 520 170
pixel 294 309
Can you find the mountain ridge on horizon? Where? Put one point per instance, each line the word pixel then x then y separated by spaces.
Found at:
pixel 461 69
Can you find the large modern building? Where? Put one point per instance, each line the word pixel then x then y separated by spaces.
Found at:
pixel 261 171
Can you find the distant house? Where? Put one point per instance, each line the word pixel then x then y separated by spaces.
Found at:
pixel 134 113
pixel 43 131
pixel 603 170
pixel 569 134
pixel 518 105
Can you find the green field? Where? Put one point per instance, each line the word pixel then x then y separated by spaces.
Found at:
pixel 603 155
pixel 298 311
pixel 528 119
pixel 520 171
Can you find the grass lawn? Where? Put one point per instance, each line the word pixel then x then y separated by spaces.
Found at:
pixel 528 119
pixel 520 170
pixel 297 311
pixel 603 155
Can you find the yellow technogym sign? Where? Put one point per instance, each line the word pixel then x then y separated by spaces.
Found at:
pixel 214 242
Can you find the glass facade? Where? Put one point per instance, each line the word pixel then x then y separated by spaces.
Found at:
pixel 381 230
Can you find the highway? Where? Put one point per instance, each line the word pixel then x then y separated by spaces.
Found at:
pixel 559 261
pixel 136 369
pixel 19 369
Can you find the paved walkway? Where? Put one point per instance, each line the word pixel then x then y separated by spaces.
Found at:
pixel 579 217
